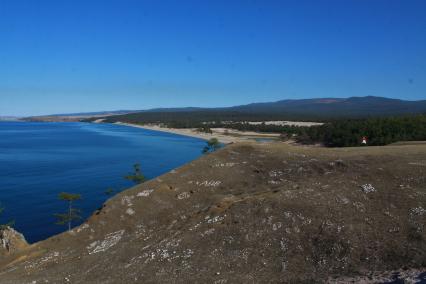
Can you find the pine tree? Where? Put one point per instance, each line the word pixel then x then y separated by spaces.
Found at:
pixel 72 214
pixel 137 177
pixel 109 191
pixel 212 145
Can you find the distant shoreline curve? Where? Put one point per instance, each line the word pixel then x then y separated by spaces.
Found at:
pixel 223 138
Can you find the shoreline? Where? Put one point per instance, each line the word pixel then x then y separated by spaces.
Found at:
pixel 233 136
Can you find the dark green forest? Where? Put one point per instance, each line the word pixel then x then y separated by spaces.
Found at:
pixel 342 132
pixel 379 131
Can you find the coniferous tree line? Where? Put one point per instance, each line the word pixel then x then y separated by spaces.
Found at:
pixel 333 133
pixel 196 119
pixel 379 131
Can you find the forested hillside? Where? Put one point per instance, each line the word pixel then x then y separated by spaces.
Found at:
pixel 322 109
pixel 379 131
pixel 346 121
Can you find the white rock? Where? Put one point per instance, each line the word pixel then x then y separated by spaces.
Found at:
pixel 184 195
pixel 130 211
pixel 145 193
pixel 367 188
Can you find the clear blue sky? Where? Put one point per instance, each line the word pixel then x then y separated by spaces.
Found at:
pixel 84 55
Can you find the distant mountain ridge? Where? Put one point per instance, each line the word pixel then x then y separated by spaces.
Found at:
pixel 353 107
pixel 303 108
pixel 9 118
pixel 336 107
pixel 96 113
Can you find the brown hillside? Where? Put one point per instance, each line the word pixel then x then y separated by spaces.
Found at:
pixel 250 213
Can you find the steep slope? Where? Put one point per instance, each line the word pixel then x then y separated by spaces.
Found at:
pixel 249 213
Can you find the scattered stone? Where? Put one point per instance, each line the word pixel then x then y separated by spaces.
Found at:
pixel 217 219
pixel 145 193
pixel 224 165
pixel 184 195
pixel 275 173
pixel 214 219
pixel 130 211
pixel 110 240
pixel 127 200
pixel 368 188
pixel 418 211
pixel 209 183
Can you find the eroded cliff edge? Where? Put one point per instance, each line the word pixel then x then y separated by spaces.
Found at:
pixel 250 213
pixel 11 241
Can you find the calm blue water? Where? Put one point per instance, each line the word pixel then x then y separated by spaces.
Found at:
pixel 40 160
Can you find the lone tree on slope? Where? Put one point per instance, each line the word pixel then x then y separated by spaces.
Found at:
pixel 212 145
pixel 109 191
pixel 137 177
pixel 72 214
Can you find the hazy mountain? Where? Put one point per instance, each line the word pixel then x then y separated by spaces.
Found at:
pixel 305 109
pixel 9 118
pixel 331 107
pixel 97 113
pixel 68 117
pixel 284 109
pixel 323 107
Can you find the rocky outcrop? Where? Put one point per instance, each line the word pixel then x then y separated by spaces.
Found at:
pixel 251 213
pixel 11 241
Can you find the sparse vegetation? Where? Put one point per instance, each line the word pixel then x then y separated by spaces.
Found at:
pixel 72 214
pixel 284 137
pixel 109 191
pixel 212 145
pixel 137 177
pixel 205 129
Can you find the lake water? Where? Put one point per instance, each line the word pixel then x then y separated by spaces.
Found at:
pixel 40 160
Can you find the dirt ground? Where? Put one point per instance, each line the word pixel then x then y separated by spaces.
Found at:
pixel 251 213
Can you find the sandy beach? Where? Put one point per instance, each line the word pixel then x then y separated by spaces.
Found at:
pixel 224 135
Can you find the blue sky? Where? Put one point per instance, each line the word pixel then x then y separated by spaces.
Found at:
pixel 76 56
